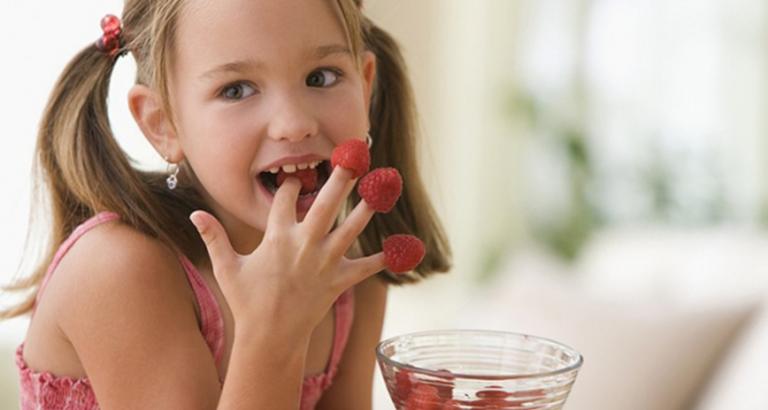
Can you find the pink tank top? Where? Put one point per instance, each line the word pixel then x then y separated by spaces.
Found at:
pixel 43 390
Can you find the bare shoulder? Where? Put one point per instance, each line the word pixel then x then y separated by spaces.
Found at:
pixel 114 261
pixel 128 312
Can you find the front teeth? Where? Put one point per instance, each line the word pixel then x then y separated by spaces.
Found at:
pixel 291 168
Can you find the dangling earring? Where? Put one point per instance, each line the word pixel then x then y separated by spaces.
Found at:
pixel 173 170
pixel 368 139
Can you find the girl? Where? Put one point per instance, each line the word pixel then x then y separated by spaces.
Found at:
pixel 269 303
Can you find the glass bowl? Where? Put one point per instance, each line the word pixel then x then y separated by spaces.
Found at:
pixel 476 369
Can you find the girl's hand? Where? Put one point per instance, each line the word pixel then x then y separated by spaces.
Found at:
pixel 290 281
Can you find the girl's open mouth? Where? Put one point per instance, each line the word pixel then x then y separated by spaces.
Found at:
pixel 312 180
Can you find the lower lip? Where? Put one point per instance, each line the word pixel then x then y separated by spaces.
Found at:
pixel 303 203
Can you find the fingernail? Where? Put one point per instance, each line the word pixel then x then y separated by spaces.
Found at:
pixel 195 218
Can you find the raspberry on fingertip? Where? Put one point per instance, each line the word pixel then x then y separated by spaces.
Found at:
pixel 352 155
pixel 402 253
pixel 381 188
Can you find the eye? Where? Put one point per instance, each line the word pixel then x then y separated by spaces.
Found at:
pixel 237 91
pixel 317 79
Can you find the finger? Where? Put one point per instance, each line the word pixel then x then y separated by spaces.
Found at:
pixel 357 270
pixel 343 236
pixel 223 256
pixel 283 210
pixel 322 213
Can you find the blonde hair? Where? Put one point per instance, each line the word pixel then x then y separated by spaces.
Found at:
pixel 80 168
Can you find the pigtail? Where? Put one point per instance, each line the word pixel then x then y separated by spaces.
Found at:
pixel 71 133
pixel 393 119
pixel 84 171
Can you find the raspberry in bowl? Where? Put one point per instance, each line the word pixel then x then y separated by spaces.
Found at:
pixel 476 369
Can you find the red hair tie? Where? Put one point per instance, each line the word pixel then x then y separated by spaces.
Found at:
pixel 111 41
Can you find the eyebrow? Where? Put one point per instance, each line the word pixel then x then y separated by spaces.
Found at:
pixel 243 66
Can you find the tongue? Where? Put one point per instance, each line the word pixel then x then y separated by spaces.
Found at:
pixel 308 178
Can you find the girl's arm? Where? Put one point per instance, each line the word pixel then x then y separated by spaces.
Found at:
pixel 352 386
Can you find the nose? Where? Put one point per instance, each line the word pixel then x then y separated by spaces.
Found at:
pixel 291 120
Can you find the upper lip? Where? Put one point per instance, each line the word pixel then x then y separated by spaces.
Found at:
pixel 296 159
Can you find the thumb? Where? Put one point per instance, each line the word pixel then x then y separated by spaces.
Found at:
pixel 223 257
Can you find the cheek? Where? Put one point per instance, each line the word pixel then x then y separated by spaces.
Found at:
pixel 349 114
pixel 226 136
pixel 222 154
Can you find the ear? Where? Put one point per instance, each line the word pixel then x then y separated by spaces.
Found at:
pixel 369 75
pixel 147 110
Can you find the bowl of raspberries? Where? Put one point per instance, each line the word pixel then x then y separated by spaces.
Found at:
pixel 476 369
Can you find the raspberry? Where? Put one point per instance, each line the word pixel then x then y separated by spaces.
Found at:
pixel 308 178
pixel 493 398
pixel 381 188
pixel 492 393
pixel 450 405
pixel 402 252
pixel 423 397
pixel 445 386
pixel 352 155
pixel 403 384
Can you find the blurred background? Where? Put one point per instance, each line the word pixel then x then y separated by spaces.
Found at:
pixel 599 165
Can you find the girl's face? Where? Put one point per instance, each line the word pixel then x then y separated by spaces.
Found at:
pixel 257 83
